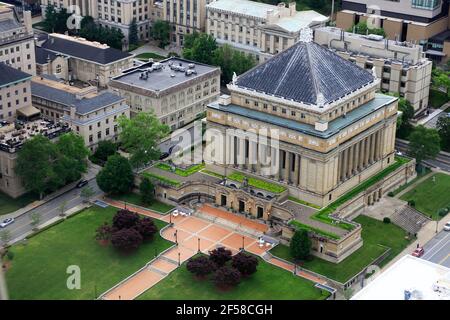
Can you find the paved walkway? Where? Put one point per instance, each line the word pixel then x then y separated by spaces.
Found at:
pixel 193 235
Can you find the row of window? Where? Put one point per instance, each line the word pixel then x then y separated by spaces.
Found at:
pixel 14 49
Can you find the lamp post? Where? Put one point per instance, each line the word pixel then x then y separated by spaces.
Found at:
pixel 198 245
pixel 243 243
pixel 176 236
pixel 179 258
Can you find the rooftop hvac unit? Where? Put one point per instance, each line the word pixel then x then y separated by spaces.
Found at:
pixel 191 66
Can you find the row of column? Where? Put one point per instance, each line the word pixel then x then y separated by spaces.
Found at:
pixel 264 160
pixel 360 155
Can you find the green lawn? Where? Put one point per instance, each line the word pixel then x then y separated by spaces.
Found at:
pixel 8 204
pixel 135 198
pixel 268 283
pixel 38 270
pixel 257 183
pixel 437 98
pixel 431 196
pixel 148 55
pixel 181 172
pixel 374 234
pixel 161 179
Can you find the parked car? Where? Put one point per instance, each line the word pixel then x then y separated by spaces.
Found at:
pixel 447 226
pixel 418 252
pixel 82 183
pixel 6 222
pixel 164 155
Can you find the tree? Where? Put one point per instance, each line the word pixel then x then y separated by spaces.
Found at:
pixel 200 266
pixel 93 32
pixel 147 228
pixel 140 136
pixel 104 232
pixel 125 219
pixel 117 176
pixel 105 148
pixel 220 256
pixel 404 127
pixel 232 61
pixel 35 219
pixel 440 79
pixel 147 190
pixel 443 127
pixel 87 193
pixel 5 236
pixel 300 245
pixel 126 239
pixel 133 33
pixel 61 20
pixel 62 208
pixel 35 164
pixel 226 277
pixel 363 28
pixel 424 143
pixel 199 47
pixel 72 158
pixel 245 263
pixel 160 32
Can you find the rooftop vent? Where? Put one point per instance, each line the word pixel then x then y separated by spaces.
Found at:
pixel 224 100
pixel 191 66
pixel 172 75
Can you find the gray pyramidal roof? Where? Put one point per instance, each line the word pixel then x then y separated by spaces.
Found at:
pixel 304 73
pixel 10 75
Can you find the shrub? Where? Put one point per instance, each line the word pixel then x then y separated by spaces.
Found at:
pixel 390 194
pixel 103 232
pixel 442 212
pixel 225 277
pixel 146 190
pixel 386 220
pixel 220 256
pixel 126 239
pixel 201 266
pixel 300 245
pixel 10 255
pixel 147 228
pixel 412 203
pixel 246 264
pixel 125 219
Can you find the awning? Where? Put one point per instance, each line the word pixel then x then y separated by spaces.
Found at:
pixel 435 53
pixel 29 111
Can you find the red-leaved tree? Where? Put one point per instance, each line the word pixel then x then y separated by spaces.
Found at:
pixel 245 263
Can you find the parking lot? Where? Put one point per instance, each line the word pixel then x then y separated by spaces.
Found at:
pixel 437 250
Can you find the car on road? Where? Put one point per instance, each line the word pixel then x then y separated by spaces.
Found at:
pixel 82 183
pixel 6 222
pixel 447 226
pixel 418 252
pixel 164 155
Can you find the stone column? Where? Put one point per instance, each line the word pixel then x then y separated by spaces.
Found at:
pixel 342 166
pixel 356 162
pixel 286 166
pixel 367 152
pixel 350 160
pixel 277 153
pixel 345 164
pixel 296 169
pixel 372 147
pixel 241 153
pixel 259 157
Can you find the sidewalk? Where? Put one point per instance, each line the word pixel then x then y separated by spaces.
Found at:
pixel 149 47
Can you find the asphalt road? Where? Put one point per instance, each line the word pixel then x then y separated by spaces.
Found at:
pixel 437 250
pixel 49 210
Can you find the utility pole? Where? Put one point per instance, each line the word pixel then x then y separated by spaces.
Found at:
pixel 3 289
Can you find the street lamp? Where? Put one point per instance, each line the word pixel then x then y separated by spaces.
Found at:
pixel 198 245
pixel 179 258
pixel 243 243
pixel 176 236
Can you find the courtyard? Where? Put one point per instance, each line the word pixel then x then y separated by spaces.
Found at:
pixel 38 269
pixel 431 195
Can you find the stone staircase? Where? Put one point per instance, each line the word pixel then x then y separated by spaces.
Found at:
pixel 409 219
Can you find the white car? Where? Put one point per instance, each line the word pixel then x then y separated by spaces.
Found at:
pixel 447 226
pixel 6 222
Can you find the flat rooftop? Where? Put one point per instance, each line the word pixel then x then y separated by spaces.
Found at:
pixel 423 279
pixel 334 126
pixel 11 139
pixel 159 76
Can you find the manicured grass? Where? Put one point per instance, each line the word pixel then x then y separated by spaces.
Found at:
pixel 268 283
pixel 324 233
pixel 431 196
pixel 437 98
pixel 38 270
pixel 181 172
pixel 376 236
pixel 161 179
pixel 257 183
pixel 135 198
pixel 420 175
pixel 148 55
pixel 312 205
pixel 324 214
pixel 214 174
pixel 8 204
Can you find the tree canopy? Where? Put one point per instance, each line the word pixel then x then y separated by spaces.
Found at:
pixel 160 32
pixel 116 176
pixel 300 245
pixel 232 61
pixel 443 127
pixel 140 136
pixel 424 143
pixel 199 47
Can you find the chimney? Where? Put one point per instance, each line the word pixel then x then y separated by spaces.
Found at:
pixel 292 8
pixel 27 21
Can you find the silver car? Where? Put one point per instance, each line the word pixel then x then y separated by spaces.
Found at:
pixel 447 226
pixel 6 222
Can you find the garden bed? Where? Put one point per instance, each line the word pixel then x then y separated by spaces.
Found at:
pixel 257 183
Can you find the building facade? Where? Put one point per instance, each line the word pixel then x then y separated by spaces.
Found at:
pixel 118 14
pixel 185 17
pixel 334 130
pixel 84 60
pixel 16 39
pixel 402 67
pixel 256 28
pixel 90 114
pixel 175 89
